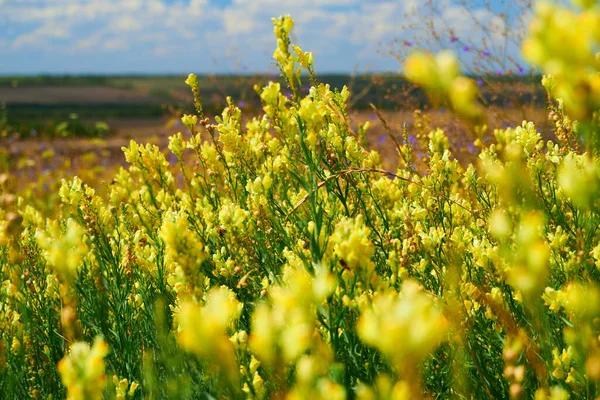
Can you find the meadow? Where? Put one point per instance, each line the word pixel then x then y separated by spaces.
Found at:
pixel 414 239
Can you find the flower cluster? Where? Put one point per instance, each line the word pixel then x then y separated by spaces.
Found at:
pixel 82 370
pixel 564 43
pixel 440 75
pixel 276 257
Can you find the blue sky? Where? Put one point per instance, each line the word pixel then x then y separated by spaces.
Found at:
pixel 235 36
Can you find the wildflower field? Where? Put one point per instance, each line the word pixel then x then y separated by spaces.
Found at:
pixel 278 256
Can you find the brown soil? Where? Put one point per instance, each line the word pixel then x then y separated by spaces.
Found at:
pixel 158 132
pixel 76 95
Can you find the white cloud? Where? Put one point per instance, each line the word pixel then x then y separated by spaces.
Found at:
pixel 197 7
pixel 237 22
pixel 156 7
pixel 305 4
pixel 115 44
pixel 244 27
pixel 125 23
pixel 42 35
pixel 87 23
pixel 87 43
pixel 161 51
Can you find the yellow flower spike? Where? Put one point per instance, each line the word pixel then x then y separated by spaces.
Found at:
pixel 411 318
pixel 351 244
pixel 296 338
pixel 330 390
pixel 447 68
pixel 189 120
pixel 257 381
pixel 548 82
pixel 421 69
pixel 232 216
pixel 177 144
pixel 364 392
pixel 574 66
pixel 401 391
pixel 463 97
pixel 15 346
pixel 500 224
pixel 263 334
pixel 182 244
pixel 592 366
pixel 323 284
pixel 63 251
pixel 558 393
pixel 82 370
pixel 579 178
pixel 582 301
pixel 203 328
pixel 192 81
pixel 530 266
pixel 288 70
pixel 531 228
pixel 120 387
pixel 288 24
pixel 254 364
pixel 305 59
pixel 439 76
pixel 132 389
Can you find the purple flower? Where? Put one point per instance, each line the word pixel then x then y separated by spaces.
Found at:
pixel 373 117
pixel 467 48
pixel 407 43
pixel 471 148
pixel 521 69
pixel 381 139
pixel 479 82
pixel 242 104
pixel 172 159
pixel 453 39
pixel 498 71
pixel 412 139
pixel 486 53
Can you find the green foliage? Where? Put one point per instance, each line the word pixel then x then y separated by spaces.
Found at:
pixel 275 257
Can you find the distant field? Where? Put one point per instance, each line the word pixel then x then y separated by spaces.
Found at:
pixel 140 107
pixel 157 131
pixel 92 95
pixel 385 90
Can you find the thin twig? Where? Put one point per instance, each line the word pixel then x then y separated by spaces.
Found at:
pixel 386 127
pixel 380 171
